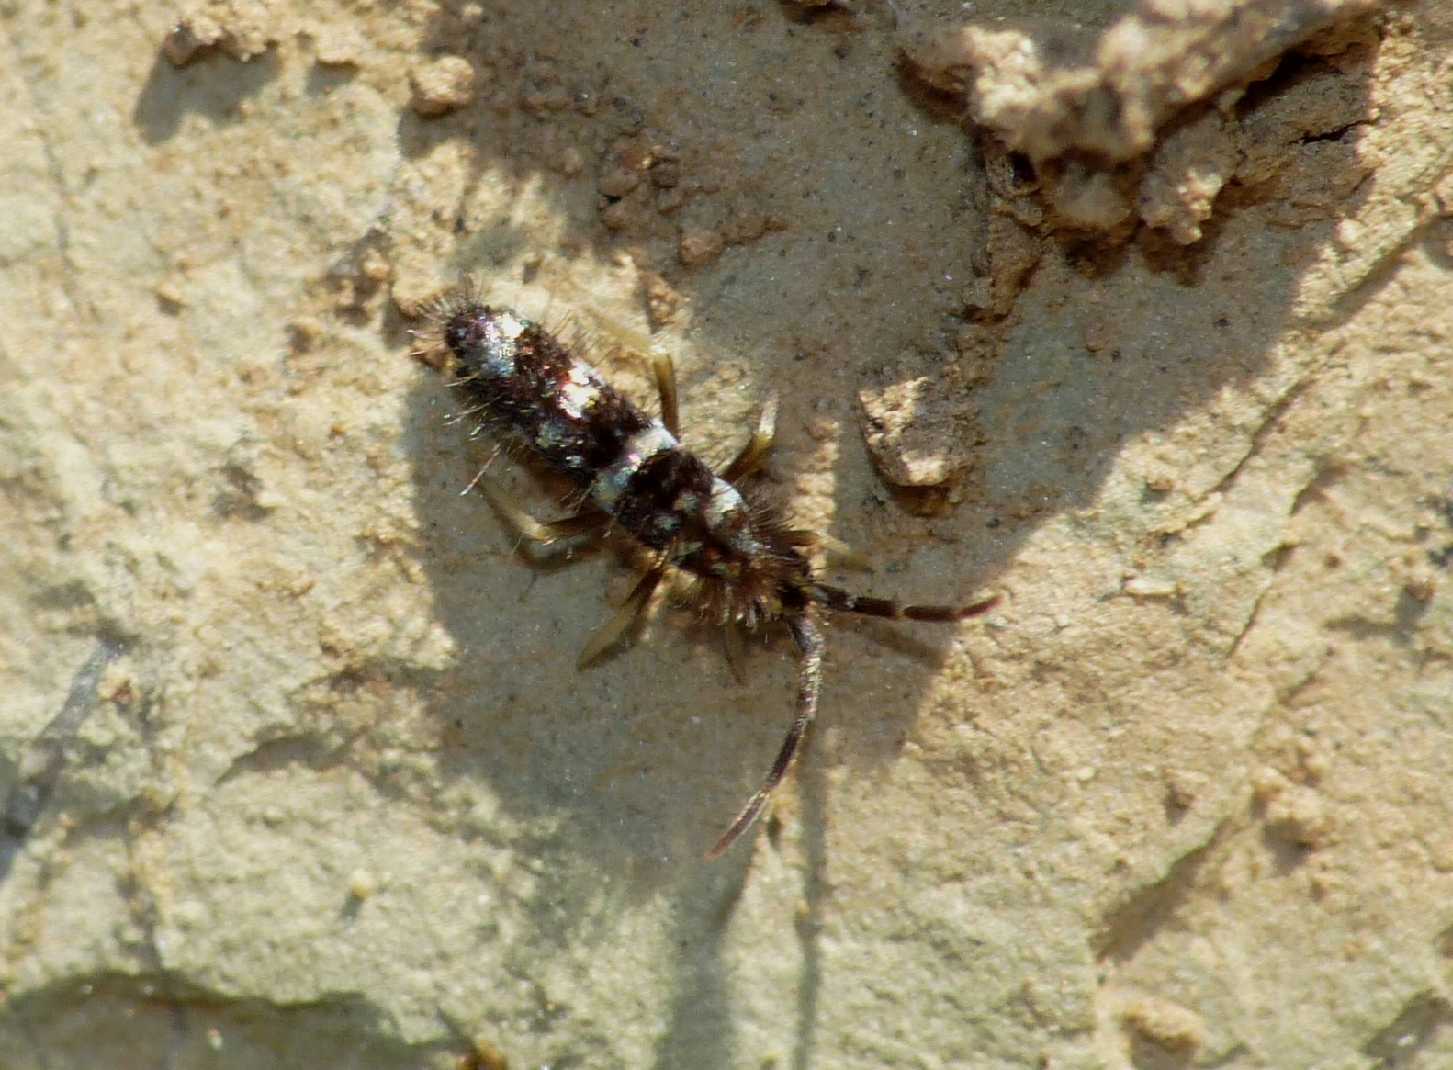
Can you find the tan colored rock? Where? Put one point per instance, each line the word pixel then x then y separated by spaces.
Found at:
pixel 294 758
pixel 442 85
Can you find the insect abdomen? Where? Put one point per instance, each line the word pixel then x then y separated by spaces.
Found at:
pixel 531 389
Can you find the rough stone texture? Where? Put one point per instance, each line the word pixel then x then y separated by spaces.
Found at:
pixel 1054 86
pixel 1084 103
pixel 295 766
pixel 915 444
pixel 441 86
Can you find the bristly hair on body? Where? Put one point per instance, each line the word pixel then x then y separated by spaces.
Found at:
pixel 739 562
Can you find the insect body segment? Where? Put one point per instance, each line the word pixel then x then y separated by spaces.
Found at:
pixel 744 567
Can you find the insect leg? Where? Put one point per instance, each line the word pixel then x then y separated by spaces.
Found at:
pixel 733 641
pixel 809 683
pixel 609 633
pixel 837 551
pixel 665 373
pixel 758 446
pixel 546 538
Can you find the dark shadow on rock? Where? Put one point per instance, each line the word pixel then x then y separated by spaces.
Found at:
pixel 155 1020
pixel 213 86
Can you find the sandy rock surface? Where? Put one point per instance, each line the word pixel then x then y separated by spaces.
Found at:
pixel 1140 315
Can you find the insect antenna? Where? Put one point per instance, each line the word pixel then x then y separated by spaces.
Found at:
pixel 809 683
